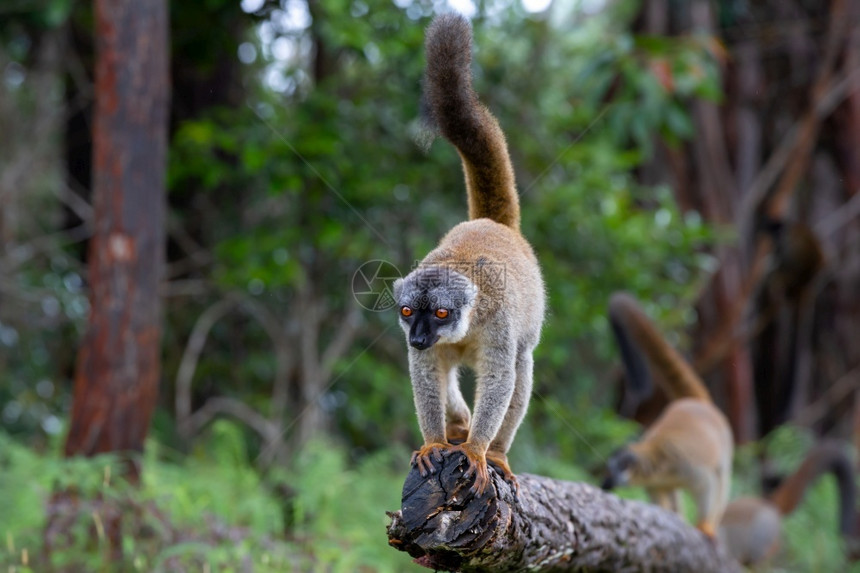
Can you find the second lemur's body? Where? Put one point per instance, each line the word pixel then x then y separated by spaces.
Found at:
pixel 690 445
pixel 751 526
pixel 478 298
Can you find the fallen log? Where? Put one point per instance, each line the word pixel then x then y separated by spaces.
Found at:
pixel 548 525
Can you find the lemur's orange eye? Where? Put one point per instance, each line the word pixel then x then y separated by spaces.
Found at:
pixel 441 313
pixel 406 311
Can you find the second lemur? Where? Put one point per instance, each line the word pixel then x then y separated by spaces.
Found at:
pixel 690 445
pixel 751 526
pixel 478 298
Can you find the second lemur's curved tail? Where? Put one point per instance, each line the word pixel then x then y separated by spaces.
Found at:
pixel 824 457
pixel 453 108
pixel 641 343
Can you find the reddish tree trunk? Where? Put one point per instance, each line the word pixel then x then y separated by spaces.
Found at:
pixel 116 380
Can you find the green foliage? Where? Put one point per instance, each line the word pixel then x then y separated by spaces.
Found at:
pixel 210 508
pixel 21 18
pixel 338 507
pixel 328 175
pixel 326 514
pixel 320 171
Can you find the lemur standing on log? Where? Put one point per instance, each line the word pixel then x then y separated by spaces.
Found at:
pixel 751 526
pixel 478 298
pixel 690 445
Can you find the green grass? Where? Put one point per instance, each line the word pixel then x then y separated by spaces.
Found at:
pixel 210 510
pixel 207 511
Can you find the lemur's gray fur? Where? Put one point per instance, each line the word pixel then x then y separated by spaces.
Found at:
pixel 478 298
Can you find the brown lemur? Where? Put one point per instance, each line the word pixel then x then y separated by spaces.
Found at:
pixel 478 298
pixel 751 526
pixel 690 445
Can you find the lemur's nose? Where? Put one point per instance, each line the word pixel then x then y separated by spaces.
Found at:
pixel 418 341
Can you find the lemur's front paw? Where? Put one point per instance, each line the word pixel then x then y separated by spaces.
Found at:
pixel 500 460
pixel 422 457
pixel 477 457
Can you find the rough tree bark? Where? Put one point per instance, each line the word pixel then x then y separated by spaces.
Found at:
pixel 548 526
pixel 116 378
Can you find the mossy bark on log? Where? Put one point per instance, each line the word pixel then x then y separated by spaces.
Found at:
pixel 549 525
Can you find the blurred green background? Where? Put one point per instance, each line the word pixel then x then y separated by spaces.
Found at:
pixel 295 157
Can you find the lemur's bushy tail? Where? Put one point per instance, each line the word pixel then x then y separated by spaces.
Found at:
pixel 637 334
pixel 452 107
pixel 827 456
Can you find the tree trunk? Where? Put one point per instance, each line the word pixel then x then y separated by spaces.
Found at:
pixel 116 379
pixel 547 526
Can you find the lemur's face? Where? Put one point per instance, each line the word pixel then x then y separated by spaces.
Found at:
pixel 435 305
pixel 619 468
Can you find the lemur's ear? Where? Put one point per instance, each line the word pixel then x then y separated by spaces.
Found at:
pixel 398 289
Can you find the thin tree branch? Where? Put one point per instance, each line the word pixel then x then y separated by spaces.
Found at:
pixel 74 201
pixel 344 338
pixel 237 409
pixel 284 362
pixel 24 252
pixel 196 257
pixel 790 145
pixel 840 217
pixel 847 384
pixel 188 363
pixel 189 287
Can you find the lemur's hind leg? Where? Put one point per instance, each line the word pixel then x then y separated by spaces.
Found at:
pixel 458 417
pixel 667 498
pixel 707 490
